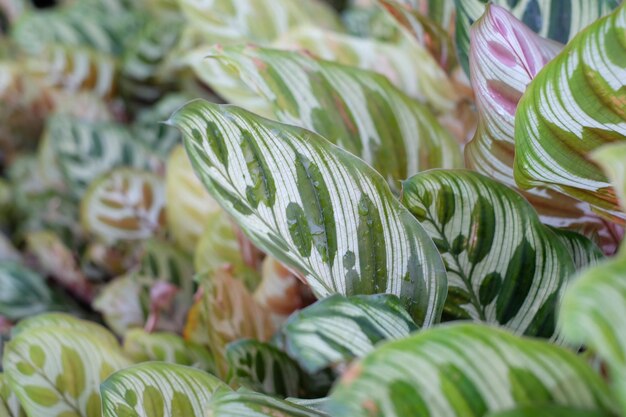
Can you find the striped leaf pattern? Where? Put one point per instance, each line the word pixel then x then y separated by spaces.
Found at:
pixel 9 404
pixel 317 336
pixel 158 389
pixel 124 204
pixel 358 110
pixel 612 159
pixel 56 372
pixel 583 251
pixel 466 370
pixel 162 260
pixel 549 411
pixel 590 313
pixel 263 368
pixel 425 31
pixel 86 150
pixel 252 404
pixel 65 321
pixel 24 292
pixel 504 58
pixel 314 207
pixel 503 265
pixel 559 20
pixel 142 346
pixel 187 202
pixel 260 21
pixel 573 106
pixel 406 63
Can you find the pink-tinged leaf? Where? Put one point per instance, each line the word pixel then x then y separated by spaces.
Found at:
pixel 505 56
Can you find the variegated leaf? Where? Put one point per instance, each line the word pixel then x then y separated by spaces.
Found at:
pixel 583 251
pixel 142 346
pixel 53 258
pixel 87 150
pixel 466 370
pixel 260 21
pixel 163 261
pixel 65 321
pixel 612 159
pixel 24 292
pixel 426 31
pixel 230 313
pixel 573 106
pixel 119 302
pixel 314 207
pixel 590 313
pixel 76 25
pixel 57 371
pixel 504 266
pixel 143 74
pixel 124 204
pixel 406 63
pixel 73 69
pixel 317 336
pixel 252 404
pixel 158 389
pixel 505 56
pixel 549 411
pixel 263 368
pixel 358 110
pixel 9 404
pixel 559 20
pixel 187 202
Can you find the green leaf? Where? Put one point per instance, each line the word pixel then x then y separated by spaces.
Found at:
pixel 549 411
pixel 360 111
pixel 162 261
pixel 590 312
pixel 119 302
pixel 24 292
pixel 158 389
pixel 86 150
pixel 65 321
pixel 246 403
pixel 9 404
pixel 339 194
pixel 218 245
pixel 583 251
pixel 56 371
pixel 123 205
pixel 263 368
pixel 188 204
pixel 559 20
pixel 573 106
pixel 611 159
pixel 466 370
pixel 337 329
pixel 260 21
pixel 142 346
pixel 427 82
pixel 509 266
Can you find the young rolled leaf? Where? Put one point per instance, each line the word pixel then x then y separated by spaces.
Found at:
pixel 57 371
pixel 158 389
pixel 466 370
pixel 123 205
pixel 589 315
pixel 337 329
pixel 253 404
pixel 262 367
pixel 142 346
pixel 261 21
pixel 360 111
pixel 188 204
pixel 559 20
pixel 314 207
pixel 505 56
pixel 406 63
pixel 504 266
pixel 573 106
pixel 549 411
pixel 24 292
